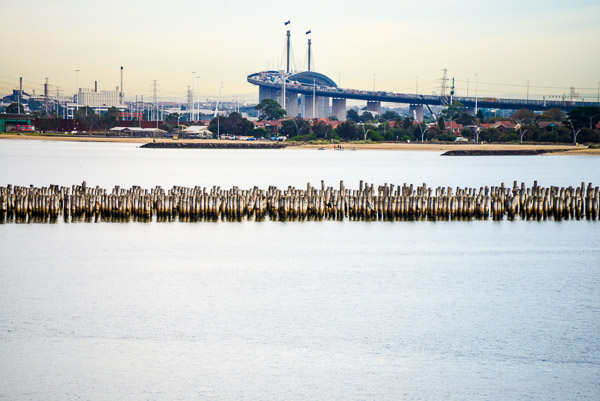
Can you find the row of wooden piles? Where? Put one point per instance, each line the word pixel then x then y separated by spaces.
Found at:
pixel 385 202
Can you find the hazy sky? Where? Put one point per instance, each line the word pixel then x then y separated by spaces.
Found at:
pixel 553 44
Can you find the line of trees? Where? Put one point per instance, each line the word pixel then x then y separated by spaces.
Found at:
pixel 86 119
pixel 233 124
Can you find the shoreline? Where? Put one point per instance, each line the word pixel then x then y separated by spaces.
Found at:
pixel 384 146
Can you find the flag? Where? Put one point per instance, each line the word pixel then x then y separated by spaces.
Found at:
pixel 288 22
pixel 308 31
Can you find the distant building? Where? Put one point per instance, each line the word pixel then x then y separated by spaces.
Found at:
pixel 453 127
pixel 549 125
pixel 333 123
pixel 88 97
pixel 14 97
pixel 270 125
pixel 196 131
pixel 16 122
pixel 138 132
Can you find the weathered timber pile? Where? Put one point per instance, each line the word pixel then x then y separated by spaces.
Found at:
pixel 384 202
pixel 214 145
pixel 508 152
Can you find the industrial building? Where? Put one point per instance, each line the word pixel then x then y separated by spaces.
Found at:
pixel 92 98
pixel 16 122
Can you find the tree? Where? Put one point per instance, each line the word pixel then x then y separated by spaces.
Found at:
pixel 216 125
pixel 366 116
pixel 553 114
pixel 87 119
pixel 389 115
pixel 465 119
pixel 233 124
pixel 237 125
pixel 270 110
pixel 584 117
pixel 352 115
pixel 14 108
pixel 110 118
pixel 589 135
pixel 479 115
pixel 407 123
pixel 374 136
pixel 348 131
pixel 294 127
pixel 259 132
pixel 453 111
pixel 322 130
pixel 434 132
pixel 523 114
pixel 172 117
pixel 441 123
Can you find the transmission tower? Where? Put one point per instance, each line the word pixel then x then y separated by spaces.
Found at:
pixel 444 88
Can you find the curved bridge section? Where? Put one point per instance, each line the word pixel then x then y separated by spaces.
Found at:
pixel 308 94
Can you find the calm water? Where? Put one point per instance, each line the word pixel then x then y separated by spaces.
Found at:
pixel 314 310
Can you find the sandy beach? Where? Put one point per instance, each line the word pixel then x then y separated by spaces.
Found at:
pixel 385 146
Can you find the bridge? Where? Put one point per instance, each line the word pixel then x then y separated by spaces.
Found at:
pixel 308 94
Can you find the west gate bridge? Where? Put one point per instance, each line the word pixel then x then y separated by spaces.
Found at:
pixel 314 95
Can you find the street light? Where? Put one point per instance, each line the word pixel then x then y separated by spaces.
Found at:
pixel 522 134
pixel 365 132
pixel 574 133
pixel 591 118
pixel 297 130
pixel 422 132
pixel 477 132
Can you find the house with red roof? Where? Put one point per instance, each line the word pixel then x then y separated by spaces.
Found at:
pixel 453 127
pixel 334 123
pixel 271 126
pixel 504 126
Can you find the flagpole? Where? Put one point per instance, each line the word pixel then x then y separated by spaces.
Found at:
pixel 309 48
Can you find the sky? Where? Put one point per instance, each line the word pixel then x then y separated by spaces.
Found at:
pixel 389 45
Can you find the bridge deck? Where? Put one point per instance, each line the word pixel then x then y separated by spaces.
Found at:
pixel 274 81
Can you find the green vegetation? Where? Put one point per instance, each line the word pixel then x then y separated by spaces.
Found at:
pixel 269 109
pixel 14 108
pixel 233 124
pixel 551 126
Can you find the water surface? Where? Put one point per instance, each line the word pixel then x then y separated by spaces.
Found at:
pixel 298 310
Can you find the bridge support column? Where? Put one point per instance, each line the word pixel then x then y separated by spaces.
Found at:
pixel 322 107
pixel 266 93
pixel 291 104
pixel 416 109
pixel 308 106
pixel 339 108
pixel 374 106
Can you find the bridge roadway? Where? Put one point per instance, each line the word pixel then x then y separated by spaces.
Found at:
pixel 272 80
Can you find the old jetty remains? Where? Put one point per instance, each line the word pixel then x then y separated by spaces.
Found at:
pixel 368 202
